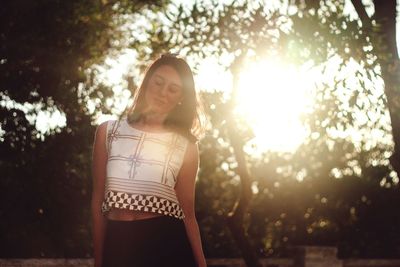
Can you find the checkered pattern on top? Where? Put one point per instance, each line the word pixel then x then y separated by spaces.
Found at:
pixel 148 203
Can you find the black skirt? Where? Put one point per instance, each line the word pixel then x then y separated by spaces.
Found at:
pixel 155 242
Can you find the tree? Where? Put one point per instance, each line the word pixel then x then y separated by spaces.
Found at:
pixel 319 31
pixel 381 29
pixel 372 43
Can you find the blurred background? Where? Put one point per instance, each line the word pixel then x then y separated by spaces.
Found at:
pixel 303 99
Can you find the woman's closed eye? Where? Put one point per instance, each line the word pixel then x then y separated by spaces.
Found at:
pixel 158 83
pixel 174 89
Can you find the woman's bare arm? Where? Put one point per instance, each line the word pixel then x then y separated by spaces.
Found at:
pixel 185 190
pixel 99 222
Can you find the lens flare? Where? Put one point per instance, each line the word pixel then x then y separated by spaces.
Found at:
pixel 271 97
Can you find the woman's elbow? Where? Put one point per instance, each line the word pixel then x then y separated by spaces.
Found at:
pixel 190 216
pixel 96 202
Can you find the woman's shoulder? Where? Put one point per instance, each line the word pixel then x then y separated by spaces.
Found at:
pixel 104 126
pixel 191 154
pixel 190 144
pixel 186 136
pixel 185 139
pixel 105 123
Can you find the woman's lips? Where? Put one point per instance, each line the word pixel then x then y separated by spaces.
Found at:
pixel 159 102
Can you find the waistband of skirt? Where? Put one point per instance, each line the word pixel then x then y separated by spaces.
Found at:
pixel 156 219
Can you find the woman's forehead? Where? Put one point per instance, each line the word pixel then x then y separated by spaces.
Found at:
pixel 168 73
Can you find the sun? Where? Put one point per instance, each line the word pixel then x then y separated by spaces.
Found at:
pixel 271 97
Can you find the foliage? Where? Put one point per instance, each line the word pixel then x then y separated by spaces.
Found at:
pixel 297 198
pixel 341 181
pixel 329 192
pixel 46 47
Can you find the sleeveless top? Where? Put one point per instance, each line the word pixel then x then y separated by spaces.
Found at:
pixel 142 169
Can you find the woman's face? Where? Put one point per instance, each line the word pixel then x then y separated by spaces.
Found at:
pixel 164 90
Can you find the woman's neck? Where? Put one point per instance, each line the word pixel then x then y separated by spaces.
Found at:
pixel 153 120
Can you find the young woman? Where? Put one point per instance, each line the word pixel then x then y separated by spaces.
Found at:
pixel 144 169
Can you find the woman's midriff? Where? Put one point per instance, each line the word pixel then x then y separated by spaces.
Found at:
pixel 129 215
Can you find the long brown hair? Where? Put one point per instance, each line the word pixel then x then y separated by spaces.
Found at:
pixel 187 118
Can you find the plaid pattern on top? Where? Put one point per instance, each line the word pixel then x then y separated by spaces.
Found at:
pixel 142 169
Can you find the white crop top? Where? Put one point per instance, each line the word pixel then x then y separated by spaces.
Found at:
pixel 142 169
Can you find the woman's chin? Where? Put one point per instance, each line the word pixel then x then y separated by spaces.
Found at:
pixel 155 111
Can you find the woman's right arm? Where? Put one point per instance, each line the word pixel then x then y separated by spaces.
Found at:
pixel 99 161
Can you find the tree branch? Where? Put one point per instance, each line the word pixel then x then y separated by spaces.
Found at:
pixel 362 13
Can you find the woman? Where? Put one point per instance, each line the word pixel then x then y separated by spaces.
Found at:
pixel 144 169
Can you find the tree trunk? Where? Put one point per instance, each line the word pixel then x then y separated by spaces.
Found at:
pixel 383 37
pixel 385 15
pixel 236 216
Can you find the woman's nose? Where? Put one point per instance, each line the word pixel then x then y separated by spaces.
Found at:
pixel 163 90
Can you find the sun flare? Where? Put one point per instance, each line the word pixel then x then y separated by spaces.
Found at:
pixel 271 97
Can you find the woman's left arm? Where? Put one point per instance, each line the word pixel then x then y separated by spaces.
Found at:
pixel 185 190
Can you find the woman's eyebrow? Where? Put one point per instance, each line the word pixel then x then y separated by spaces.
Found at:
pixel 161 77
pixel 177 85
